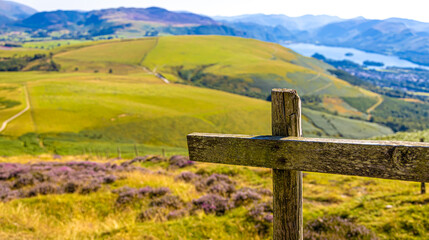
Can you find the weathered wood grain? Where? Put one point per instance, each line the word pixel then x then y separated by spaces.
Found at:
pixel 380 159
pixel 287 194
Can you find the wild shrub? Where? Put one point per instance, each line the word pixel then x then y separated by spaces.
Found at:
pixel 211 203
pixel 216 184
pixel 43 189
pixel 187 176
pixel 245 196
pixel 176 214
pixel 168 201
pixel 179 162
pixel 262 216
pixel 334 227
pixel 128 195
pixel 55 178
pixel 153 213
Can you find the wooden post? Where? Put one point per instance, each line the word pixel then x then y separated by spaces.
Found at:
pixel 422 185
pixel 136 151
pixel 119 152
pixel 286 121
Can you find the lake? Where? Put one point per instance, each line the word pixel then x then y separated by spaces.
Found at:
pixel 354 55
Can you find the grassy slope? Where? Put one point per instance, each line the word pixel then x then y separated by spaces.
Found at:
pixel 133 109
pixel 266 64
pixel 95 216
pixel 132 106
pixel 416 136
pixel 81 107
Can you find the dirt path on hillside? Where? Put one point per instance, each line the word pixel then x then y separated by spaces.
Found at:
pixel 158 75
pixel 373 107
pixel 315 77
pixel 27 98
pixel 320 89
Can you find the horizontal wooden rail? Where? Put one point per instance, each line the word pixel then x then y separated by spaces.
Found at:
pixel 379 159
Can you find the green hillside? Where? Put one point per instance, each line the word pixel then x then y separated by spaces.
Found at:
pixel 415 136
pixel 111 92
pixel 244 66
pixel 129 109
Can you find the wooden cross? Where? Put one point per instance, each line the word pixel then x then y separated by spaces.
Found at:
pixel 287 153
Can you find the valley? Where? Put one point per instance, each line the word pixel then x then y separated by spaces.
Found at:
pixel 95 107
pixel 83 104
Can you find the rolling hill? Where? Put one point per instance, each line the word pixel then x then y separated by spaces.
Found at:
pixel 244 66
pixel 401 37
pixel 14 10
pixel 405 38
pixel 118 92
pixel 302 23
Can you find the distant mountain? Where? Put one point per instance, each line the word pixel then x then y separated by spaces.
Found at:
pixel 306 22
pixel 131 21
pixel 4 20
pixel 402 37
pixel 64 19
pixel 153 15
pixel 405 38
pixel 408 39
pixel 15 11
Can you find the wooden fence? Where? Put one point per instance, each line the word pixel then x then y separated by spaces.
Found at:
pixel 287 153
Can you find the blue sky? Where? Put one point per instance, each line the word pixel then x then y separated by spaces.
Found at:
pixel 374 9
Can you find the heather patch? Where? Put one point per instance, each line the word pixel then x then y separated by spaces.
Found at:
pixel 127 195
pixel 216 184
pixel 29 180
pixel 212 203
pixel 167 201
pixel 334 227
pixel 178 161
pixel 245 196
pixel 187 176
pixel 163 196
pixel 262 216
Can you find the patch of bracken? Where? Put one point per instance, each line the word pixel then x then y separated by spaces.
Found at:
pixel 211 203
pixel 262 216
pixel 178 161
pixel 167 201
pixel 187 176
pixel 245 196
pixel 335 227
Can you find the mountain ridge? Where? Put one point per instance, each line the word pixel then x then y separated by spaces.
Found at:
pixel 15 11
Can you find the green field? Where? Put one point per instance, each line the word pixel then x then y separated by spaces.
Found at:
pixel 108 92
pixel 140 110
pixel 243 66
pixel 85 114
pixel 388 209
pixel 76 113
